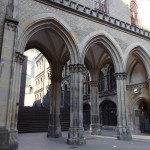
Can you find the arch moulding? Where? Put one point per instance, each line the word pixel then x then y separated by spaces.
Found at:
pixel 48 21
pixel 109 42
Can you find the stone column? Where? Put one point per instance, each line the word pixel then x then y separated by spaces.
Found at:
pixel 54 128
pixel 95 119
pixel 9 77
pixel 123 130
pixel 76 130
pixel 12 9
pixel 12 116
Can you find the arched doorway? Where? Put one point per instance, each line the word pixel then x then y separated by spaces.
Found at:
pixel 141 117
pixel 86 116
pixel 108 113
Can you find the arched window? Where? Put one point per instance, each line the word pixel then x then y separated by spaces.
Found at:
pixel 66 88
pixel 134 11
pixel 101 83
pixel 87 85
pixel 100 5
pixel 111 78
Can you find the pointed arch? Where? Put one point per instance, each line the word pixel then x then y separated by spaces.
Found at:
pixel 141 52
pixel 46 21
pixel 108 42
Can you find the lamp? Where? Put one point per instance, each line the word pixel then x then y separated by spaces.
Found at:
pixel 137 91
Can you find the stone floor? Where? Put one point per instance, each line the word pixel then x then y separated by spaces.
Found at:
pixel 107 141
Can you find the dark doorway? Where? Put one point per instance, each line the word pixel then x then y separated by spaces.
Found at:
pixel 86 116
pixel 108 113
pixel 144 115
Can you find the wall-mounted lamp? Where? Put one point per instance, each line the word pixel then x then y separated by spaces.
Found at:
pixel 137 91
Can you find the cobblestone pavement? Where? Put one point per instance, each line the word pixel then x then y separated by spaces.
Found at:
pixel 107 141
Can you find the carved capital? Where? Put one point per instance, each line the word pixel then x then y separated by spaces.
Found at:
pixel 148 81
pixel 77 68
pixel 120 76
pixel 94 83
pixel 19 58
pixel 11 26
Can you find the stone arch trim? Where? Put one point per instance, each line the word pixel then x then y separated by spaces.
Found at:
pixel 47 20
pixel 109 42
pixel 143 54
pixel 137 102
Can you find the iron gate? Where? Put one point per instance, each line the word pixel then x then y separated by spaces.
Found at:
pixel 145 121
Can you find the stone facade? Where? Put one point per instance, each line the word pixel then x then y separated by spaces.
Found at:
pixel 63 30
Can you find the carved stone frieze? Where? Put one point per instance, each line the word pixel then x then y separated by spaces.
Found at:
pixel 94 83
pixel 77 68
pixel 107 93
pixel 120 76
pixel 138 85
pixel 19 58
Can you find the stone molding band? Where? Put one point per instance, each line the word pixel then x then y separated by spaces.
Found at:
pixel 94 83
pixel 120 76
pixel 76 68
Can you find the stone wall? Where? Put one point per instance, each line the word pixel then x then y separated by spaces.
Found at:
pixel 85 26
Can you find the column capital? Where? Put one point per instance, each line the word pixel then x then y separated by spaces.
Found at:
pixel 94 83
pixel 148 81
pixel 76 68
pixel 19 58
pixel 120 76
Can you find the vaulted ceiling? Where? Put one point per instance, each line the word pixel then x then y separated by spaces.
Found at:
pixel 97 56
pixel 50 43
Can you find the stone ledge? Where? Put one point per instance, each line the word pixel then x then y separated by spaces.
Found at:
pixel 82 10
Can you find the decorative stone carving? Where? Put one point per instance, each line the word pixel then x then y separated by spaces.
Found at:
pixel 148 81
pixel 120 76
pixel 11 26
pixel 107 93
pixel 77 68
pixel 19 58
pixel 94 83
pixel 138 85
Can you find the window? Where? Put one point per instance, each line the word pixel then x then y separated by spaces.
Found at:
pixel 134 13
pixel 101 82
pixel 100 5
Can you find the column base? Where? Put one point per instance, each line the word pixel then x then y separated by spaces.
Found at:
pixel 54 131
pixel 123 133
pixel 5 143
pixel 76 136
pixel 95 129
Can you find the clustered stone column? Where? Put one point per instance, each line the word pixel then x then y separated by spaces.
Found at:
pixel 76 130
pixel 14 100
pixel 123 130
pixel 95 120
pixel 54 128
pixel 11 68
